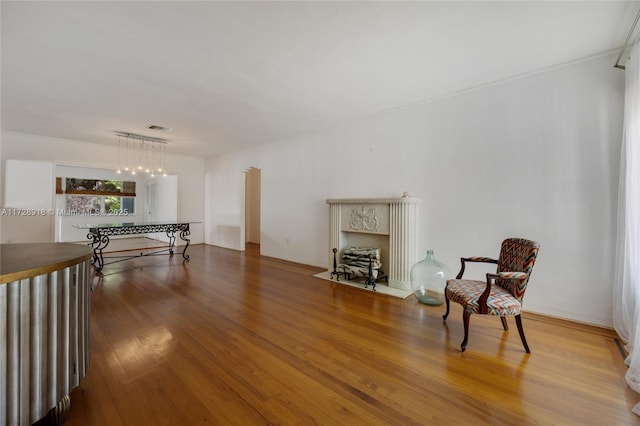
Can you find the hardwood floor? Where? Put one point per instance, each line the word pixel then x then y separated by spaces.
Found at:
pixel 235 338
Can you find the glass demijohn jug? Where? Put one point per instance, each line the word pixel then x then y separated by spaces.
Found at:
pixel 428 279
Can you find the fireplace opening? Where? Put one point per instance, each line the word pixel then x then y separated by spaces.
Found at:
pixel 386 223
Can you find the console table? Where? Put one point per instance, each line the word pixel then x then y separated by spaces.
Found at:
pixel 99 236
pixel 45 305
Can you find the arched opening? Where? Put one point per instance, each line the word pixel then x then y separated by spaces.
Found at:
pixel 252 209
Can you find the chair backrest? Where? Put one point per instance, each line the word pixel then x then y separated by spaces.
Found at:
pixel 517 255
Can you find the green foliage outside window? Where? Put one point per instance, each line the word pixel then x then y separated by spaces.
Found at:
pixel 112 203
pixel 94 196
pixel 97 185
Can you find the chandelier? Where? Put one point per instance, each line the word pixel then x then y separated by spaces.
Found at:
pixel 141 154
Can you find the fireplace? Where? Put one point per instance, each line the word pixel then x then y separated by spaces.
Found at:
pixel 390 224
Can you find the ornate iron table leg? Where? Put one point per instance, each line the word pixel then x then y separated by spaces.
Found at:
pixel 183 236
pixel 171 233
pixel 98 243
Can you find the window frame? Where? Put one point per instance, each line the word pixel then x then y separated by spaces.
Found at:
pixel 127 191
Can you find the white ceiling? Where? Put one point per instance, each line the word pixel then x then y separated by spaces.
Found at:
pixel 227 75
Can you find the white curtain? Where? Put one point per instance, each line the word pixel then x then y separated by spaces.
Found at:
pixel 626 309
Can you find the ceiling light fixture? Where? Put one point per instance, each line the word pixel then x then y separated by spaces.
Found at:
pixel 139 153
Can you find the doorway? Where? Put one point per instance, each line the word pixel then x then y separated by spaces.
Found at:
pixel 252 209
pixel 161 203
pixel 150 203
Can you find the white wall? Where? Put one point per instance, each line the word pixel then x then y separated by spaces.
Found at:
pixel 28 195
pixel 534 157
pixel 224 188
pixel 62 152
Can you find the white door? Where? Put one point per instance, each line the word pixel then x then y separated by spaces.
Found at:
pixel 150 203
pixel 150 213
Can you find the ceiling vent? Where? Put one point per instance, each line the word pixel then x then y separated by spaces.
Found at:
pixel 159 128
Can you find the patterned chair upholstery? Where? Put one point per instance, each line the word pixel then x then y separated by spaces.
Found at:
pixel 502 293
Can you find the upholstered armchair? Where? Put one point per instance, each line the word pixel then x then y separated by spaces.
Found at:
pixel 502 292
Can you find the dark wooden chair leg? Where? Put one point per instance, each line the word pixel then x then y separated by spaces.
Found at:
pixel 521 331
pixel 504 323
pixel 465 319
pixel 446 299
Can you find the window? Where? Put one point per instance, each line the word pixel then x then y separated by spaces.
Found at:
pixel 83 204
pixel 97 196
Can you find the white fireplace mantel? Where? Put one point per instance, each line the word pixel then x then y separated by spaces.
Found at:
pixel 400 200
pixel 388 223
